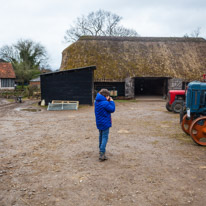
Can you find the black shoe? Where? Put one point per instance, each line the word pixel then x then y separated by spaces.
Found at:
pixel 102 156
pixel 105 157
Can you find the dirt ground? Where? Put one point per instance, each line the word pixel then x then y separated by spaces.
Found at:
pixel 51 158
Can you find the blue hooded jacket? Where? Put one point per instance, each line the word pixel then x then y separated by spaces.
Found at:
pixel 103 110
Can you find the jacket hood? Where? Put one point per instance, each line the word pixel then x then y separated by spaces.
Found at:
pixel 100 98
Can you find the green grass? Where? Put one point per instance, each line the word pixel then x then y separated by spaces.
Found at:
pixel 125 101
pixel 155 142
pixel 11 100
pixel 19 87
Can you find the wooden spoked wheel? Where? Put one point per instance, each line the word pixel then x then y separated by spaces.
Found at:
pixel 186 124
pixel 198 131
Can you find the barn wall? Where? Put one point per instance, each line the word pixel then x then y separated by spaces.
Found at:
pixel 119 86
pixel 74 85
pixel 35 84
pixel 175 84
pixel 129 87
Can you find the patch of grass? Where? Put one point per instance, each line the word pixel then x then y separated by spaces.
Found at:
pixel 166 122
pixel 34 105
pixel 182 137
pixel 81 106
pixel 25 99
pixel 155 142
pixel 11 100
pixel 123 100
pixel 20 87
pixel 31 110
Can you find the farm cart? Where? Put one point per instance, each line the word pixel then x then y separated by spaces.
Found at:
pixel 175 101
pixel 194 121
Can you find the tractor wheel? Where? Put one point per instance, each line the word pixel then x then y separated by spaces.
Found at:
pixel 168 107
pixel 198 131
pixel 177 106
pixel 186 124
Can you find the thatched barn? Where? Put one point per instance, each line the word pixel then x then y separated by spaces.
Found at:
pixel 141 63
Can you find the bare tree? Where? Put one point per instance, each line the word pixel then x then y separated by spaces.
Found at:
pixel 99 23
pixel 9 54
pixel 26 51
pixel 27 58
pixel 195 33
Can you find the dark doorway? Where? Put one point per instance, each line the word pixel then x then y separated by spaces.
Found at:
pixel 150 86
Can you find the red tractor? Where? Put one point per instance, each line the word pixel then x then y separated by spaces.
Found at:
pixel 175 101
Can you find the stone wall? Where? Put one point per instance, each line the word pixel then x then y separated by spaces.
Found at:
pixel 129 87
pixel 175 84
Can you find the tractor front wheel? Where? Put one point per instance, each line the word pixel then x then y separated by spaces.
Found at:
pixel 198 131
pixel 177 106
pixel 185 124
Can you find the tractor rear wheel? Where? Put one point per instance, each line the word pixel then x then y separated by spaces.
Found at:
pixel 185 124
pixel 168 107
pixel 198 131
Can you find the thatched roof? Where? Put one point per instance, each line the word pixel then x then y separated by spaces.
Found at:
pixel 121 57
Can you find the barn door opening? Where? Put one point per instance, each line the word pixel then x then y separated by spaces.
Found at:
pixel 154 86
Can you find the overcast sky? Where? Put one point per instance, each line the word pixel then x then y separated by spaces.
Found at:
pixel 45 21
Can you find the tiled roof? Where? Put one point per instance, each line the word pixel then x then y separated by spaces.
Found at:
pixel 35 80
pixel 6 70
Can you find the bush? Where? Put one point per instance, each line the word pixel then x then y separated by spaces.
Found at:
pixel 21 87
pixel 10 94
pixel 31 89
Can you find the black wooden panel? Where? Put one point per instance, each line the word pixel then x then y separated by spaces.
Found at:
pixel 68 85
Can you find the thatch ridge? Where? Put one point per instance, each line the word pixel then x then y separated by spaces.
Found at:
pixel 144 39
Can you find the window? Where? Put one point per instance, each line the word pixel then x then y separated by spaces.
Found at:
pixel 7 82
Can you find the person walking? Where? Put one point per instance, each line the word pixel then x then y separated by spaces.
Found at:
pixel 104 106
